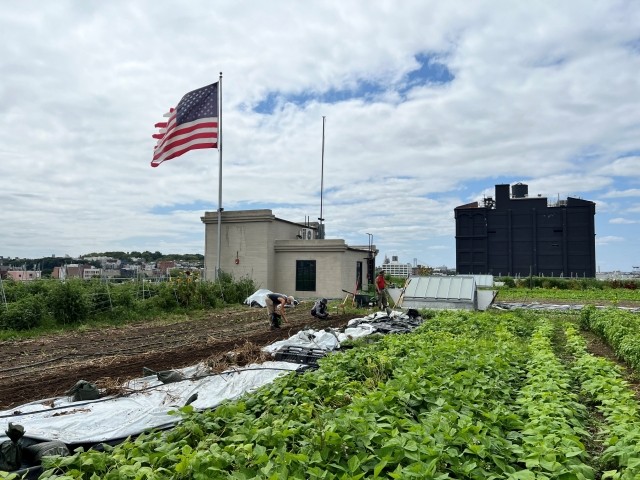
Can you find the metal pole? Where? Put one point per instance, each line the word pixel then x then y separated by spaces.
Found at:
pixel 217 273
pixel 370 260
pixel 4 298
pixel 322 181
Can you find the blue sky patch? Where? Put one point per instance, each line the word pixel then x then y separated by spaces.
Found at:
pixel 635 45
pixel 365 89
pixel 431 71
pixel 200 206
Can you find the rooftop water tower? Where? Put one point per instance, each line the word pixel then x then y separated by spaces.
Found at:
pixel 520 190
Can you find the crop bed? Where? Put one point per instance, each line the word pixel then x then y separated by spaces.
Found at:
pixel 512 395
pixel 48 366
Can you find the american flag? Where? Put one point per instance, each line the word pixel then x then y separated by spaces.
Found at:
pixel 192 124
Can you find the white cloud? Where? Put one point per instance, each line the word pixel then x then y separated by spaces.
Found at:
pixel 544 93
pixel 623 167
pixel 631 192
pixel 608 239
pixel 622 221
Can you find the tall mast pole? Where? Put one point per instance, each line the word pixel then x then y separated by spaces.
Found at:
pixel 321 219
pixel 217 275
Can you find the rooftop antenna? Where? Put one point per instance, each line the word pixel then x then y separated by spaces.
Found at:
pixel 320 219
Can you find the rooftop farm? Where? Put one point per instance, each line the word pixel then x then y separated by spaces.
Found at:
pixel 478 395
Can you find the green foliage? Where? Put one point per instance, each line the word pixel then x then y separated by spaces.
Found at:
pixel 432 404
pixel 69 302
pixel 13 290
pixel 621 329
pixel 9 476
pixel 75 301
pixel 601 384
pixel 585 316
pixel 467 395
pixel 579 284
pixel 123 295
pixel 231 291
pixel 551 444
pixel 585 296
pixel 509 282
pixel 26 313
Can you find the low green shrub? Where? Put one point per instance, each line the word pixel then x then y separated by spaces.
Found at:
pixel 69 302
pixel 23 314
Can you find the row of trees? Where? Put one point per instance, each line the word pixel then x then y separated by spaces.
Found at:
pixel 148 256
pixel 50 302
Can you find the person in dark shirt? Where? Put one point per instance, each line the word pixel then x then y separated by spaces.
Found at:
pixel 319 309
pixel 277 315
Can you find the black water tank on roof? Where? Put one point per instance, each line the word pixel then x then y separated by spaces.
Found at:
pixel 520 190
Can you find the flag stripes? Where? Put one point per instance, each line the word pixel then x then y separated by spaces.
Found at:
pixel 192 125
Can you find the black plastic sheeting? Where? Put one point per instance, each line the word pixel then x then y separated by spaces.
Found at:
pixel 390 322
pixel 393 322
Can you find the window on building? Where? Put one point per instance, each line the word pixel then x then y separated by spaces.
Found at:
pixel 306 275
pixel 359 275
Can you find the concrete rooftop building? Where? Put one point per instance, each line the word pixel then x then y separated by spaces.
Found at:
pixel 284 256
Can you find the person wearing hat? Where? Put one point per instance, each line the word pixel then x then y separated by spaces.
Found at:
pixel 319 309
pixel 381 285
pixel 276 315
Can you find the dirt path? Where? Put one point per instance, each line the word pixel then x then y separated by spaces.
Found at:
pixel 45 367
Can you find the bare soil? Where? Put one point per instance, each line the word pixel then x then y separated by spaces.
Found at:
pixel 36 369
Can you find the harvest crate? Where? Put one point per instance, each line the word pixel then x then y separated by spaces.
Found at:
pixel 306 356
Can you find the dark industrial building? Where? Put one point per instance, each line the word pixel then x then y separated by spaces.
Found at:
pixel 518 235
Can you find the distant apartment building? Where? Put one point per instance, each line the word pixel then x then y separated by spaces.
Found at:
pixel 23 275
pixel 396 269
pixel 91 272
pixel 107 263
pixel 75 270
pixel 164 266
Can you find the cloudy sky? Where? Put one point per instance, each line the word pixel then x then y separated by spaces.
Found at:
pixel 428 106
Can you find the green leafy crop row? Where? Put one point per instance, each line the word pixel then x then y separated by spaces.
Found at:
pixel 552 445
pixel 468 395
pixel 601 383
pixel 434 404
pixel 619 328
pixel 586 296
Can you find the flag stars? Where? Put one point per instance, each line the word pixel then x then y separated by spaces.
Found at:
pixel 193 125
pixel 198 104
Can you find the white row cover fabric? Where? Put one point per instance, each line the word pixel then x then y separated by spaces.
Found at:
pixel 150 401
pixel 113 418
pixel 258 297
pixel 330 339
pixel 322 339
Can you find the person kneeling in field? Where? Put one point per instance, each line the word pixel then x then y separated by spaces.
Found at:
pixel 319 309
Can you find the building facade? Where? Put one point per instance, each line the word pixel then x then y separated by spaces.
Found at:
pixel 394 268
pixel 515 235
pixel 24 275
pixel 283 256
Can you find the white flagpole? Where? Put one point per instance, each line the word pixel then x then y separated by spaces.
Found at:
pixel 217 275
pixel 321 218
